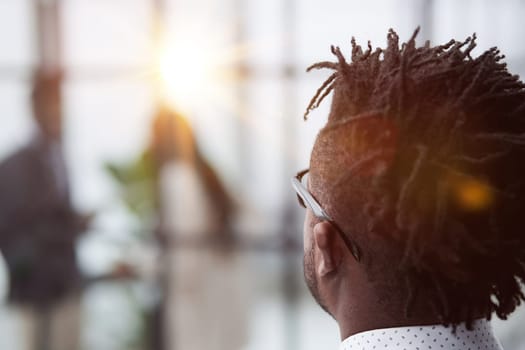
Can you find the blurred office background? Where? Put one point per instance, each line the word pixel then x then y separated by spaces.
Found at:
pixel 227 78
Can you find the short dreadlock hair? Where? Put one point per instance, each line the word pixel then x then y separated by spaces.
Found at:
pixel 432 143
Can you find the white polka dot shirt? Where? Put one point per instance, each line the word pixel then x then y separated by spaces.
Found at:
pixel 435 337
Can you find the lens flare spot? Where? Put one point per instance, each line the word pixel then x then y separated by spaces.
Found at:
pixel 474 195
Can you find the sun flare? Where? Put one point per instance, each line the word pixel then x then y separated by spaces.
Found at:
pixel 186 74
pixel 195 69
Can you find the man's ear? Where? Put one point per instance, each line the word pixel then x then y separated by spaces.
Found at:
pixel 328 248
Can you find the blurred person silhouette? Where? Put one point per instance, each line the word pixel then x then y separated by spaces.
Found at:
pixel 177 153
pixel 39 227
pixel 171 142
pixel 205 276
pixel 413 235
pixel 173 189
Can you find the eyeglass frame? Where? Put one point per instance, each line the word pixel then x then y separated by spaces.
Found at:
pixel 307 200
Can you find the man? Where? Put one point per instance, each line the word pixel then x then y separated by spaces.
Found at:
pixel 413 235
pixel 39 227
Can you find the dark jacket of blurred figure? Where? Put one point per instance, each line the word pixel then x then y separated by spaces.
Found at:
pixel 38 225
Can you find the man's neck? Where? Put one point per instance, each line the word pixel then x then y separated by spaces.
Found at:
pixel 362 310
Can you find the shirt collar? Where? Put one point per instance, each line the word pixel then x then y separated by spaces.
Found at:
pixel 432 337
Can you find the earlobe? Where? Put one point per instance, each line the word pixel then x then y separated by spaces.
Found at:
pixel 328 251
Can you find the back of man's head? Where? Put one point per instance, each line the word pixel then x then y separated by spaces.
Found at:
pixel 422 162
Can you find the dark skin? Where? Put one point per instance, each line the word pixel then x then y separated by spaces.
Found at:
pixel 345 289
pixel 344 286
pixel 391 167
pixel 359 297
